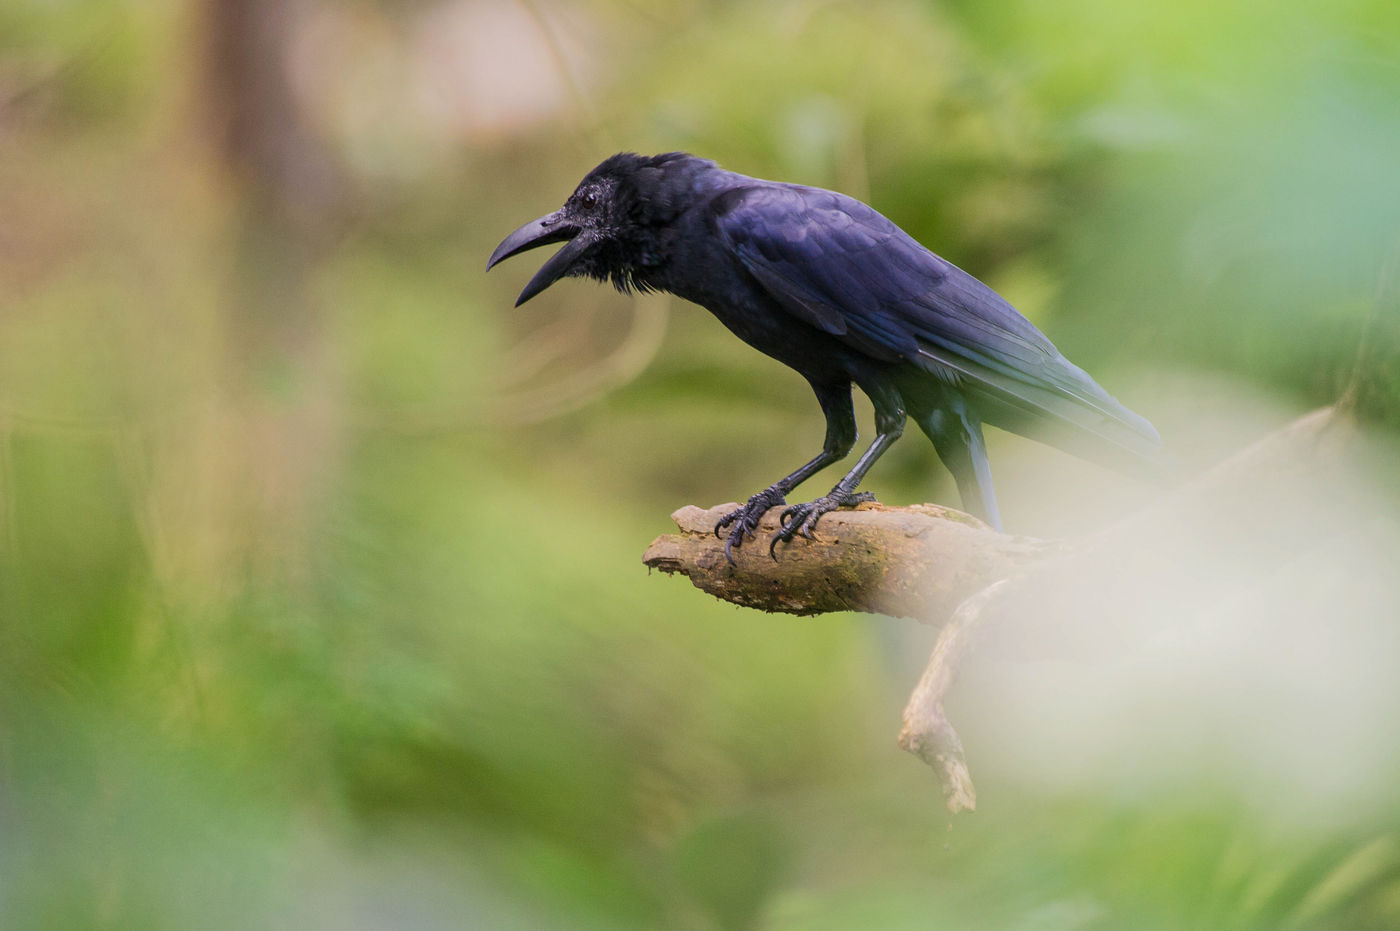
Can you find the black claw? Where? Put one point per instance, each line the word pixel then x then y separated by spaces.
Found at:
pixel 802 518
pixel 746 519
pixel 796 519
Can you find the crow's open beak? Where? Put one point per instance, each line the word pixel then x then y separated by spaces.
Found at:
pixel 541 232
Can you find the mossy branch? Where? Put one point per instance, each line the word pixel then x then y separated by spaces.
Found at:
pixel 920 561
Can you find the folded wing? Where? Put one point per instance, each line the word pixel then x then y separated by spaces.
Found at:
pixel 840 266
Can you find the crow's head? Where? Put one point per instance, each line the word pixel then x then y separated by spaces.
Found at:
pixel 610 222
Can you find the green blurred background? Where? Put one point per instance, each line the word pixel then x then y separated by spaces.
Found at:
pixel 320 593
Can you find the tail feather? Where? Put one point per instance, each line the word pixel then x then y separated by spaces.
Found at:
pixel 1074 414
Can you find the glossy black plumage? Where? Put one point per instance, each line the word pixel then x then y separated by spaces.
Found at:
pixel 825 284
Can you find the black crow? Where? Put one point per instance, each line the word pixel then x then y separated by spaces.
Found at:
pixel 828 286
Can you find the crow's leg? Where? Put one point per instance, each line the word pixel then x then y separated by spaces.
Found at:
pixel 957 435
pixel 889 424
pixel 835 400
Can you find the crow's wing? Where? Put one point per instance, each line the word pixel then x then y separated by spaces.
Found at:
pixel 840 266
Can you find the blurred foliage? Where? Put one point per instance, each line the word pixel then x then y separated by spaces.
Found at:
pixel 368 645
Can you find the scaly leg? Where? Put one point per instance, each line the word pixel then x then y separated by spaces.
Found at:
pixel 835 400
pixel 889 424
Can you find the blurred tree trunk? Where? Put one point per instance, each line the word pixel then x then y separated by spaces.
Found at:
pixel 277 436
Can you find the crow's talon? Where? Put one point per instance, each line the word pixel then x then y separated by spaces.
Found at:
pixel 802 518
pixel 738 514
pixel 746 519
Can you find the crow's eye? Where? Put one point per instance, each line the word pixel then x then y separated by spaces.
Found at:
pixel 589 200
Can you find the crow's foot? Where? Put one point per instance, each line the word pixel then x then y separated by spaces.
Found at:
pixel 745 519
pixel 802 518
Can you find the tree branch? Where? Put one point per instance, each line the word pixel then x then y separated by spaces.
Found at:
pixel 920 561
pixel 927 562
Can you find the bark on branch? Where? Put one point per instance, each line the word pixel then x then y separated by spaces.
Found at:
pixel 920 561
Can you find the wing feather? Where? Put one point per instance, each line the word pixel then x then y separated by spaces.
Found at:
pixel 837 264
